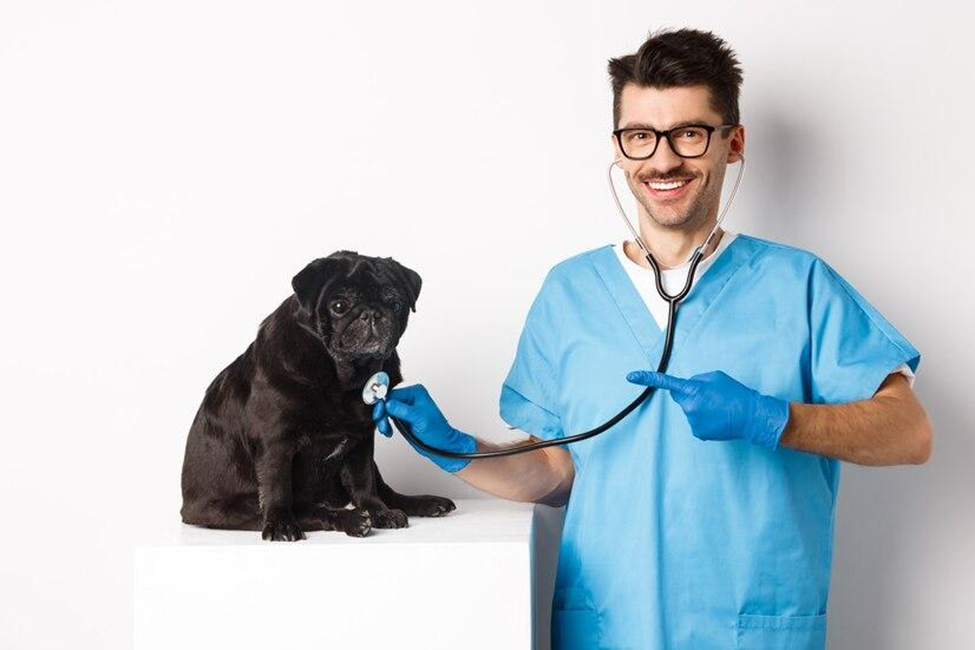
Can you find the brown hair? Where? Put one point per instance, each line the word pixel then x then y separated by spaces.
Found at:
pixel 686 57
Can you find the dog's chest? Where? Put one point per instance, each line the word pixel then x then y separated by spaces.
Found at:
pixel 334 426
pixel 333 413
pixel 325 454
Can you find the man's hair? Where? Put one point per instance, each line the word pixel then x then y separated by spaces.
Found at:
pixel 686 57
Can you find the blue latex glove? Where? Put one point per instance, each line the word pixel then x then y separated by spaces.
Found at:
pixel 720 408
pixel 414 406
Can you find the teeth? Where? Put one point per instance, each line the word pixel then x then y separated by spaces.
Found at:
pixel 667 186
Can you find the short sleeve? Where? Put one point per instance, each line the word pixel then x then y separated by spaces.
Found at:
pixel 528 394
pixel 905 370
pixel 853 348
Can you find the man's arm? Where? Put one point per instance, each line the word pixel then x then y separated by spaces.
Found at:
pixel 540 476
pixel 890 428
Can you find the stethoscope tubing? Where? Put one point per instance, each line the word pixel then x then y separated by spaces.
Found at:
pixel 673 302
pixel 520 449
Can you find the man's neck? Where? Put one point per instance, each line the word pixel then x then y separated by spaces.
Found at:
pixel 672 248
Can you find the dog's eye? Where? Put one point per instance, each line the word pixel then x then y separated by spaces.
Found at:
pixel 340 306
pixel 397 305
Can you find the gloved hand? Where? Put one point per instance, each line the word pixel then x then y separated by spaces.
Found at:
pixel 414 406
pixel 720 408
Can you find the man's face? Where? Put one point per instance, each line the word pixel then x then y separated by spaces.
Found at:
pixel 696 202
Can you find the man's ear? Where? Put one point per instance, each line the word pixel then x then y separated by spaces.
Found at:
pixel 736 150
pixel 312 279
pixel 408 279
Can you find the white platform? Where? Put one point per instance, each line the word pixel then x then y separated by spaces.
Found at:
pixel 461 581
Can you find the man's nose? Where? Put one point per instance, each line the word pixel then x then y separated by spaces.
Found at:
pixel 664 159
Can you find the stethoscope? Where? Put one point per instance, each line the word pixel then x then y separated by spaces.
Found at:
pixel 377 386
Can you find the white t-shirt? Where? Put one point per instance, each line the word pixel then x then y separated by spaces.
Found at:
pixel 673 281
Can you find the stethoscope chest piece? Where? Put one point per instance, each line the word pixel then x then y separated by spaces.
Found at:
pixel 376 388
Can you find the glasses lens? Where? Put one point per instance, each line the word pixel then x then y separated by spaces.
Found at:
pixel 638 143
pixel 689 140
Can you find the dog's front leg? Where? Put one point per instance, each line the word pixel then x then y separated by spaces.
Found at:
pixel 419 505
pixel 359 479
pixel 274 491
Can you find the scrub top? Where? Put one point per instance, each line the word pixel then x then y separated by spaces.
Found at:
pixel 670 541
pixel 673 280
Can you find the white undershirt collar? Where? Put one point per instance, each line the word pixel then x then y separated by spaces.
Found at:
pixel 672 279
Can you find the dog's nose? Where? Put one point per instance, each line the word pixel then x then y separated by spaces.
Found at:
pixel 369 313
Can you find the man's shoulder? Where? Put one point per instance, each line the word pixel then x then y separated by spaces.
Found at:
pixel 580 258
pixel 785 264
pixel 771 254
pixel 569 266
pixel 773 248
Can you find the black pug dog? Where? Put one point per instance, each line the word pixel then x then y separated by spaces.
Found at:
pixel 283 441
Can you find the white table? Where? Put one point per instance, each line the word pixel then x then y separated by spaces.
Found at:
pixel 466 580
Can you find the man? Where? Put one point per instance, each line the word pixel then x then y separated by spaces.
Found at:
pixel 704 519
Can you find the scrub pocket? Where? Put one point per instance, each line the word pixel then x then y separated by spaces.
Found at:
pixel 575 623
pixel 757 632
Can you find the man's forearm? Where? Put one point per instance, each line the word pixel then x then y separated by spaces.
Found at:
pixel 891 428
pixel 528 477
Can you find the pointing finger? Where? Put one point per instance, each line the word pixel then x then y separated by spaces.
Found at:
pixel 658 380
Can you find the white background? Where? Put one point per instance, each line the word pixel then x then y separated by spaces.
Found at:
pixel 165 169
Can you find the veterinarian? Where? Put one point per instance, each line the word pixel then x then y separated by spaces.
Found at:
pixel 704 519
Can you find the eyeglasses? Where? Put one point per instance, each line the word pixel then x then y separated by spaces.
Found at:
pixel 688 141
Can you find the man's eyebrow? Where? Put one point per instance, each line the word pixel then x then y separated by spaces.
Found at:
pixel 643 125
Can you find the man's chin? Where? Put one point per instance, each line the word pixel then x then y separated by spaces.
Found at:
pixel 676 217
pixel 670 220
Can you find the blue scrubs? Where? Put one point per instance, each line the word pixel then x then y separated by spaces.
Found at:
pixel 670 541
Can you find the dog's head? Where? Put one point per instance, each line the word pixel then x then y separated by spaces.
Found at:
pixel 359 305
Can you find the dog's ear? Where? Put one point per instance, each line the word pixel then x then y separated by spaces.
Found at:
pixel 408 279
pixel 314 278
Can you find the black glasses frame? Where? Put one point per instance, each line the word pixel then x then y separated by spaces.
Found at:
pixel 660 135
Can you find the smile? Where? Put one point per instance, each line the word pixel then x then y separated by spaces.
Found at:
pixel 667 190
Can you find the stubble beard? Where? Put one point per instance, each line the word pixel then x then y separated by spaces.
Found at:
pixel 696 212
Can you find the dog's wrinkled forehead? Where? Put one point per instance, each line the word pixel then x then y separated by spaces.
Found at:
pixel 348 268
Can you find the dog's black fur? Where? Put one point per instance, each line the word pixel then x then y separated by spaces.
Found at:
pixel 283 441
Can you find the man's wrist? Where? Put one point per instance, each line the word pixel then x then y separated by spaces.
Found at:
pixel 461 443
pixel 769 420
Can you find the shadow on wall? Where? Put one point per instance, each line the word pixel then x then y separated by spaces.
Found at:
pixel 892 525
pixel 895 527
pixel 780 185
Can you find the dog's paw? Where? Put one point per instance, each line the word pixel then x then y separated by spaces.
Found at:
pixel 389 518
pixel 356 523
pixel 431 506
pixel 280 525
